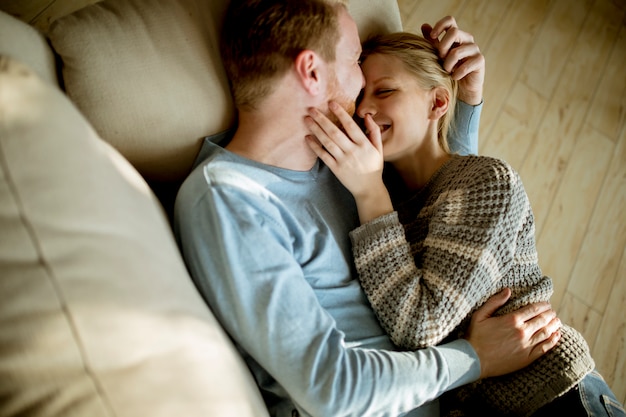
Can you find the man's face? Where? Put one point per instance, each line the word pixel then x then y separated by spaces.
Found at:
pixel 346 81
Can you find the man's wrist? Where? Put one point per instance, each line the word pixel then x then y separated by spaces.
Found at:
pixel 463 361
pixel 471 99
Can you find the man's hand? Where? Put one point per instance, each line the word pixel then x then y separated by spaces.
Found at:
pixel 461 57
pixel 508 343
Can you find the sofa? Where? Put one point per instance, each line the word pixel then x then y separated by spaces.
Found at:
pixel 101 118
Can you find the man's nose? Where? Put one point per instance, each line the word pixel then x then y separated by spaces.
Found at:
pixel 364 108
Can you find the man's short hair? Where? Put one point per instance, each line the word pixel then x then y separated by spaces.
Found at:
pixel 262 38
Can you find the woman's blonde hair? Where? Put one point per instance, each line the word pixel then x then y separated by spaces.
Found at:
pixel 421 59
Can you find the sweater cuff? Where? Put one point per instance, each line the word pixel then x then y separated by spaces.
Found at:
pixel 373 227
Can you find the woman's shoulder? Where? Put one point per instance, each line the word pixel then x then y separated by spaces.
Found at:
pixel 483 162
pixel 482 170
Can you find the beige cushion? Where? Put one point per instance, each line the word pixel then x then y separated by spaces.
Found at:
pixel 98 316
pixel 23 42
pixel 375 16
pixel 147 75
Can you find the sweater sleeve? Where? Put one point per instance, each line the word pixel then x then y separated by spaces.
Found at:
pixel 459 262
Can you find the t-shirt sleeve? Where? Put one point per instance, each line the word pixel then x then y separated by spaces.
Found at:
pixel 463 136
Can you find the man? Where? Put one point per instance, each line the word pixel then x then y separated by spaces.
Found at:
pixel 263 226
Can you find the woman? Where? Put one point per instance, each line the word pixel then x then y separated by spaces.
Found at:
pixel 462 228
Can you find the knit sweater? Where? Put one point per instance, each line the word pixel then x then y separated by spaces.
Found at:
pixel 428 266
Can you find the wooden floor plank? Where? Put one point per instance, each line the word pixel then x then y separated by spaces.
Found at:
pixel 554 43
pixel 430 12
pixel 514 129
pixel 608 110
pixel 594 273
pixel 507 53
pixel 559 243
pixel 475 13
pixel 575 313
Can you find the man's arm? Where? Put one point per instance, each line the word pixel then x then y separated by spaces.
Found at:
pixel 463 136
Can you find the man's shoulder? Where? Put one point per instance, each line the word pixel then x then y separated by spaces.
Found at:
pixel 212 145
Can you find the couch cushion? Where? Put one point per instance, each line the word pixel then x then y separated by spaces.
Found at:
pixel 375 16
pixel 98 316
pixel 23 42
pixel 147 75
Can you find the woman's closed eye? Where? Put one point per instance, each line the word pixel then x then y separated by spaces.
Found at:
pixel 383 92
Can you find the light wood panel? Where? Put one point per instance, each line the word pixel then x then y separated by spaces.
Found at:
pixel 555 108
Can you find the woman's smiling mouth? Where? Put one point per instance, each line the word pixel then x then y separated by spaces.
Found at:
pixel 383 129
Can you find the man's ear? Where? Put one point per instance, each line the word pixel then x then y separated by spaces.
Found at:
pixel 441 102
pixel 307 65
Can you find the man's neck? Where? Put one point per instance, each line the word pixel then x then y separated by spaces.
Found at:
pixel 276 140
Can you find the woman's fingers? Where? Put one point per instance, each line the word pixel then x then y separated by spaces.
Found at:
pixel 374 133
pixel 326 132
pixel 331 136
pixel 356 162
pixel 351 128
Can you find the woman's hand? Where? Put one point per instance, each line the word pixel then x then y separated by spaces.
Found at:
pixel 461 55
pixel 354 157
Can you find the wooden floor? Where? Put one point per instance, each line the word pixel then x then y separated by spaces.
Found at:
pixel 555 108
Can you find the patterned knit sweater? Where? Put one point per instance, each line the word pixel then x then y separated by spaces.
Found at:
pixel 428 266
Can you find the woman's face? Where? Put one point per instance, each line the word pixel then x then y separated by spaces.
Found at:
pixel 399 106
